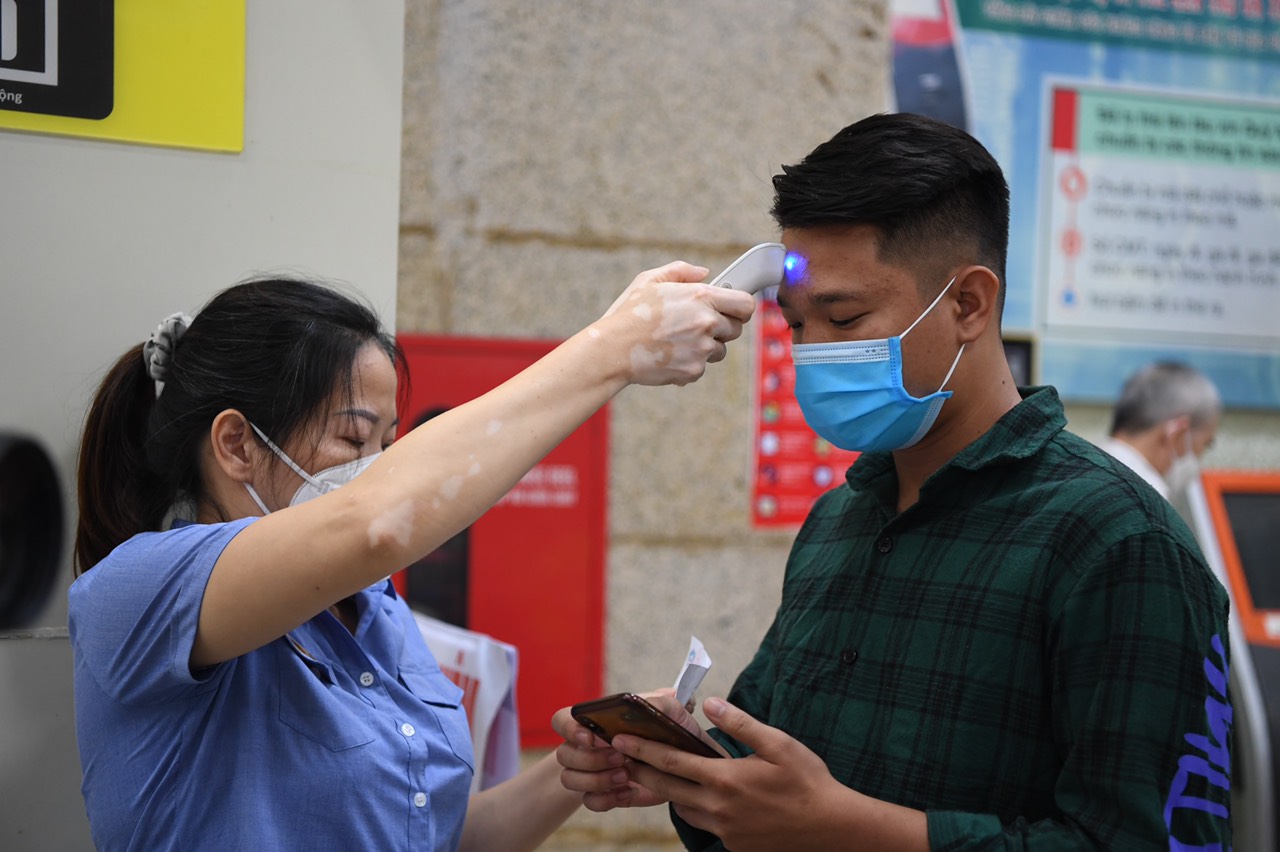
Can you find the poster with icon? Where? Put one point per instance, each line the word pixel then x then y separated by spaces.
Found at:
pixel 791 466
pixel 1140 141
pixel 1163 215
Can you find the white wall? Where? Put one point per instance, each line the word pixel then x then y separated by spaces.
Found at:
pixel 99 241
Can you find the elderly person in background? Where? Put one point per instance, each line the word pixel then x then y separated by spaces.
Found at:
pixel 1164 421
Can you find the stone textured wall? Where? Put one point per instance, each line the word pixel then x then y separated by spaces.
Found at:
pixel 552 150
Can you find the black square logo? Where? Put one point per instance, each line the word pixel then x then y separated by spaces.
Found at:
pixel 57 57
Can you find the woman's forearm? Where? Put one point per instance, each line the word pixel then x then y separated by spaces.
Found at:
pixel 519 813
pixel 442 476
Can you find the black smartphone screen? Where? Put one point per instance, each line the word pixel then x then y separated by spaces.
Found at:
pixel 627 713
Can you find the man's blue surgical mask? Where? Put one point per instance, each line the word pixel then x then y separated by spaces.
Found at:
pixel 851 392
pixel 313 484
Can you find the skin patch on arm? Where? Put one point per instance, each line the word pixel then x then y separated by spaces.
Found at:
pixel 393 526
pixel 451 487
pixel 644 358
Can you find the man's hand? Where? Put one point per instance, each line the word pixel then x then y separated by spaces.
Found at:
pixel 769 800
pixel 600 772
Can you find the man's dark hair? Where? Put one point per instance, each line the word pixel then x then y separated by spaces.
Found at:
pixel 933 192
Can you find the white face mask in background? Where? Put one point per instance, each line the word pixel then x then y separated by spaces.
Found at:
pixel 313 484
pixel 1184 470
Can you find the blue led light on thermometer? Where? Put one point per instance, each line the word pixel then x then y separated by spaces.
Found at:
pixel 794 266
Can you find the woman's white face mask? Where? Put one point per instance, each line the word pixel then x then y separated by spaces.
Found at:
pixel 313 484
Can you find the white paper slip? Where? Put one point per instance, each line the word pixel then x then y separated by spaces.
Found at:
pixel 694 670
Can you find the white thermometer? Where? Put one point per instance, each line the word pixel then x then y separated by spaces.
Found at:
pixel 759 267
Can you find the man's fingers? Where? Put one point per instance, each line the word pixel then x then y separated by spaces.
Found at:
pixel 666 786
pixel 668 760
pixel 759 737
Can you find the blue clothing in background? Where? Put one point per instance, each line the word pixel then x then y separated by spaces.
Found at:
pixel 319 740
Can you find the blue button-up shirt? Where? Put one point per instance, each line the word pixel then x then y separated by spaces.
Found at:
pixel 319 740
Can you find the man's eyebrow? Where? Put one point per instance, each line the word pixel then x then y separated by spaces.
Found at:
pixel 838 296
pixel 829 298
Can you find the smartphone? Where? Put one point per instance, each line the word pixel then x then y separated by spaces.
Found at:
pixel 627 713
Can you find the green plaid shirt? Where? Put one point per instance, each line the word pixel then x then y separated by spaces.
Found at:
pixel 1034 653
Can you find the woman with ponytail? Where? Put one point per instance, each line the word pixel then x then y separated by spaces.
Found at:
pixel 245 676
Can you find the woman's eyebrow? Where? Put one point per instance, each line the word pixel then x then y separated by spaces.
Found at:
pixel 363 414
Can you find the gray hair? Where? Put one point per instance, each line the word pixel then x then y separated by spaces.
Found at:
pixel 1164 390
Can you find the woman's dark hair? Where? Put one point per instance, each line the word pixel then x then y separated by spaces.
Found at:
pixel 273 349
pixel 931 189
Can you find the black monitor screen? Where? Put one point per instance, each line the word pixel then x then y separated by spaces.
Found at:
pixel 1255 526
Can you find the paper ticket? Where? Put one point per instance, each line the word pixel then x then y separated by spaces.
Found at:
pixel 694 670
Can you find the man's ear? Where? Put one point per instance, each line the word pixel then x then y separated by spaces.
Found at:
pixel 1177 431
pixel 235 447
pixel 977 294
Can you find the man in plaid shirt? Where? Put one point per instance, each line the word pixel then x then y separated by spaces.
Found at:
pixel 994 635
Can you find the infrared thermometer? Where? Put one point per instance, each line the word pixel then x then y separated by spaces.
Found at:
pixel 759 267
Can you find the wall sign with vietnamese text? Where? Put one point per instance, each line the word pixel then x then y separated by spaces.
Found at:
pixel 57 57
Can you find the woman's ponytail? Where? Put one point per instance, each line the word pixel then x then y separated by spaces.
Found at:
pixel 117 494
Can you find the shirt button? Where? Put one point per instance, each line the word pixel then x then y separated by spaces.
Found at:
pixel 884 545
pixel 407 729
pixel 848 656
pixel 420 800
pixel 366 679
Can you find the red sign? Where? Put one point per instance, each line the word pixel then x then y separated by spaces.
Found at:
pixel 792 465
pixel 531 570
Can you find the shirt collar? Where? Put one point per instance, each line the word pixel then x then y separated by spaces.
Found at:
pixel 1020 433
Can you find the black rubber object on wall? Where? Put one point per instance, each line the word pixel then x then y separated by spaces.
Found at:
pixel 31 528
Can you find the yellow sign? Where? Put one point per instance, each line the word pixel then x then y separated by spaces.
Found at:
pixel 178 72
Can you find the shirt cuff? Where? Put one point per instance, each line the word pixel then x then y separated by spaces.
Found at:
pixel 954 830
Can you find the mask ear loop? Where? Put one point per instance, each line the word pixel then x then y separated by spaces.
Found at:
pixel 254 496
pixel 284 457
pixel 932 305
pixel 954 364
pixel 1188 443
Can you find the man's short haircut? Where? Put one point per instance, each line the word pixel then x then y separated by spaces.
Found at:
pixel 934 193
pixel 1161 391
